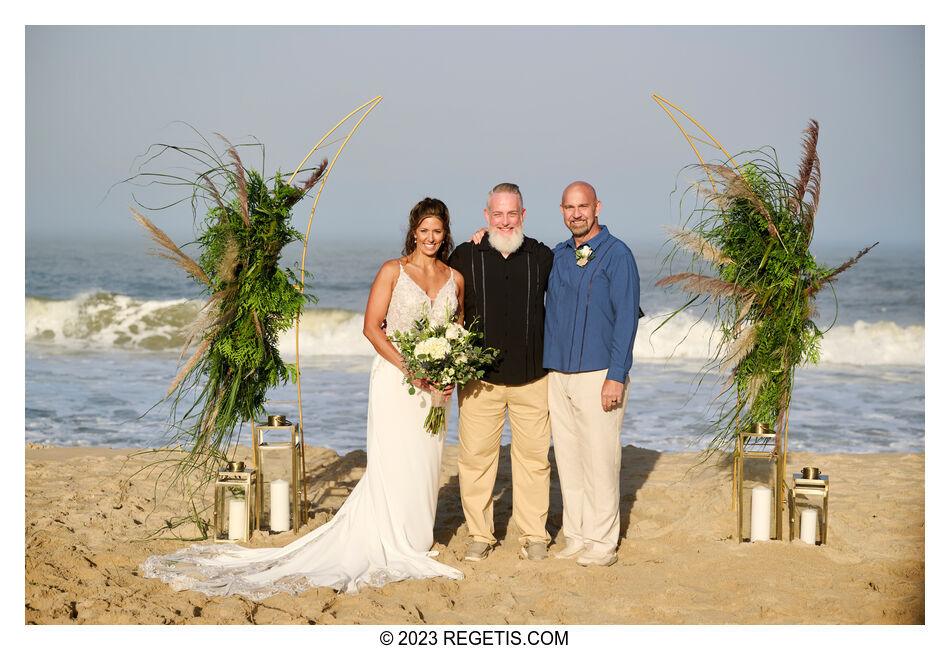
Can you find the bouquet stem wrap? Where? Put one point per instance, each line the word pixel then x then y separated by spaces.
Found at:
pixel 437 421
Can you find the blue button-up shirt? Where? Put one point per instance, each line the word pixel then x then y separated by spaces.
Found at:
pixel 592 310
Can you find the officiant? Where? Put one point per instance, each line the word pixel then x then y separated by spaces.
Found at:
pixel 506 275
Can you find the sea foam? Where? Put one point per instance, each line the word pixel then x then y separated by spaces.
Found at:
pixel 102 321
pixel 340 332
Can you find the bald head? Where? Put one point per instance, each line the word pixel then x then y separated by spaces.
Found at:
pixel 580 208
pixel 582 186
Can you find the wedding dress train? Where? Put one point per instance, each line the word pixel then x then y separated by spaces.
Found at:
pixel 383 531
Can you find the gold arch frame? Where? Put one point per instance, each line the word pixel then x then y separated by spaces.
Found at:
pixel 664 103
pixel 366 108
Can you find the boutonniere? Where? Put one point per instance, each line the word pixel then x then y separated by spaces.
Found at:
pixel 583 255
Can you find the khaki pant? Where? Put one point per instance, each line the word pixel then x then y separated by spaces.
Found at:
pixel 587 449
pixel 482 409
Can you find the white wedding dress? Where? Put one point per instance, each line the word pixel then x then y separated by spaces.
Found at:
pixel 383 532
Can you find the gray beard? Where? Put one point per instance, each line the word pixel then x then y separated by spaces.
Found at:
pixel 506 245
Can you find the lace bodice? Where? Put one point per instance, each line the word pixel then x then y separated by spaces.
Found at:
pixel 409 302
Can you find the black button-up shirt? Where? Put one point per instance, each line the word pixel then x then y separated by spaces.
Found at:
pixel 505 299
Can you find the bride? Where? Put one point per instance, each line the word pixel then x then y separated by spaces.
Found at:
pixel 383 532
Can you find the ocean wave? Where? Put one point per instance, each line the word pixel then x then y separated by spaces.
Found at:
pixel 863 344
pixel 873 344
pixel 108 321
pixel 328 332
pixel 104 320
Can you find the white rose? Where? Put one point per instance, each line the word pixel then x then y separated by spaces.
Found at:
pixel 583 255
pixel 453 331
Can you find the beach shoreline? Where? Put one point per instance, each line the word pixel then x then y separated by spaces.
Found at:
pixel 88 516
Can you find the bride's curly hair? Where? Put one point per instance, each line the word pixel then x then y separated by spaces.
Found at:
pixel 425 208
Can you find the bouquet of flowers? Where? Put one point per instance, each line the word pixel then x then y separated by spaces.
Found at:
pixel 443 355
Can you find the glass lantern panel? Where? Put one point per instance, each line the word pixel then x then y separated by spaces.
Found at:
pixel 276 463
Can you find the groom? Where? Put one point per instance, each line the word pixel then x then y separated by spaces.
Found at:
pixel 506 277
pixel 591 323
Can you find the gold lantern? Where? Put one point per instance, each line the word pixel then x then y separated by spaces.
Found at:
pixel 279 460
pixel 810 483
pixel 234 498
pixel 759 443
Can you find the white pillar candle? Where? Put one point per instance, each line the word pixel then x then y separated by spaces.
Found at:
pixel 279 505
pixel 236 518
pixel 809 525
pixel 761 513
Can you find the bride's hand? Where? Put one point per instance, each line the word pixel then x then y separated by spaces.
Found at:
pixel 422 384
pixel 425 384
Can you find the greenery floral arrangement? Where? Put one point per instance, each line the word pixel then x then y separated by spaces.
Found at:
pixel 443 355
pixel 747 244
pixel 251 300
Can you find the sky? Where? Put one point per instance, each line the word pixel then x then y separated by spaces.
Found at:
pixel 464 108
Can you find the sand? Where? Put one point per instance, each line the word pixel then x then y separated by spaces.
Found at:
pixel 89 516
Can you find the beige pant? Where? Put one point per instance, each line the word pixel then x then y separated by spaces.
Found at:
pixel 587 449
pixel 482 409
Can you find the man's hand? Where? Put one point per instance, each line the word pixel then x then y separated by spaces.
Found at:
pixel 611 395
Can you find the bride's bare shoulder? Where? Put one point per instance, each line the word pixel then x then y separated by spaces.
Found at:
pixel 391 267
pixel 388 273
pixel 456 276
